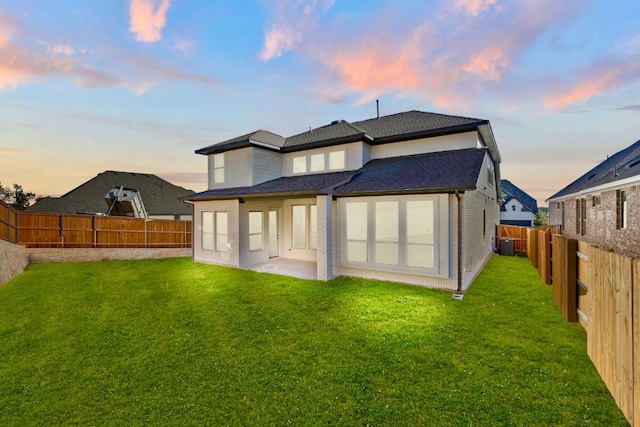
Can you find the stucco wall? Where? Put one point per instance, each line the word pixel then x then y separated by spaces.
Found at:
pixel 600 226
pixel 13 260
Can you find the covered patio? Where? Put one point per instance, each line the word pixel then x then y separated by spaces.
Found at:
pixel 288 267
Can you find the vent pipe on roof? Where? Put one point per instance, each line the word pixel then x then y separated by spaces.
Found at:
pixel 378 108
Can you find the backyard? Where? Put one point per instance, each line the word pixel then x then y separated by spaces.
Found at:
pixel 173 342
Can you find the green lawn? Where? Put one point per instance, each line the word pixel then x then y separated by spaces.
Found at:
pixel 172 342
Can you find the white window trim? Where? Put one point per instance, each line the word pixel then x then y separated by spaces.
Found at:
pixel 207 236
pixel 253 233
pixel 218 168
pixel 219 234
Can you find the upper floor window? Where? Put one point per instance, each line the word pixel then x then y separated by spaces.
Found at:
pixel 337 160
pixel 218 168
pixel 319 162
pixel 300 164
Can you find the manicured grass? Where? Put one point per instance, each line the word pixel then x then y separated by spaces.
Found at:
pixel 172 342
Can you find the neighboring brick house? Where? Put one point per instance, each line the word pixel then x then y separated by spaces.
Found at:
pixel 410 197
pixel 603 205
pixel 161 198
pixel 518 208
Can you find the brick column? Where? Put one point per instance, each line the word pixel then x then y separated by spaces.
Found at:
pixel 325 241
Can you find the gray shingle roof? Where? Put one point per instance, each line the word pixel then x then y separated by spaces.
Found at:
pixel 622 165
pixel 379 130
pixel 160 197
pixel 260 136
pixel 513 192
pixel 441 172
pixel 413 122
pixel 444 171
pixel 322 183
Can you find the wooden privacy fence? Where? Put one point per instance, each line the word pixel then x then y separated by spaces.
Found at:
pixel 51 230
pixel 8 223
pixel 601 289
pixel 515 233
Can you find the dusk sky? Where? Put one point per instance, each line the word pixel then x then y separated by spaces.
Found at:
pixel 138 85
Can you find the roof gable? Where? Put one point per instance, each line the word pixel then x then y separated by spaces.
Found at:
pixel 624 164
pixel 513 192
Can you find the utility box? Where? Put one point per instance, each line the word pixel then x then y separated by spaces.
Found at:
pixel 507 247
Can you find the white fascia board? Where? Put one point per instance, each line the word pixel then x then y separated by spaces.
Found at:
pixel 265 145
pixel 608 186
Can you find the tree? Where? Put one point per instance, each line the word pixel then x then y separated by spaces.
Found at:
pixel 17 198
pixel 541 218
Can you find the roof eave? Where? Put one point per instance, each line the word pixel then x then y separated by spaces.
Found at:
pixel 447 190
pixel 364 137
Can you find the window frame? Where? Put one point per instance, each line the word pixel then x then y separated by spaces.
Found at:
pixel 437 235
pixel 210 235
pixel 218 234
pixel 217 167
pixel 256 233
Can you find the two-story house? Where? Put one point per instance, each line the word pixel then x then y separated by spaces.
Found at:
pixel 603 205
pixel 518 208
pixel 411 197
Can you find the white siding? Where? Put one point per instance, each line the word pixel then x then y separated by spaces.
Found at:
pixel 238 169
pixel 426 145
pixel 267 165
pixel 516 214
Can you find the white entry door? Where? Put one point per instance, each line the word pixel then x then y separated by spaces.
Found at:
pixel 274 235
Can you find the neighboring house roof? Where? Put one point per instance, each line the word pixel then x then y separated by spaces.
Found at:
pixel 622 166
pixel 160 197
pixel 394 127
pixel 444 171
pixel 513 192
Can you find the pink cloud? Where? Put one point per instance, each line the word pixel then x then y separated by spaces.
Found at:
pixel 441 60
pixel 147 19
pixel 600 78
pixel 12 151
pixel 473 7
pixel 293 21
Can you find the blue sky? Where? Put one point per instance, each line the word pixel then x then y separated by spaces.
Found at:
pixel 138 85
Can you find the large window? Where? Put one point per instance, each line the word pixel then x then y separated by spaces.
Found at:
pixel 207 230
pixel 396 233
pixel 218 168
pixel 255 231
pixel 300 164
pixel 222 233
pixel 304 226
pixel 299 229
pixel 317 162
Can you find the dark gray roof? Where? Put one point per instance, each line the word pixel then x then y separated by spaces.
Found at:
pixel 416 122
pixel 160 197
pixel 439 172
pixel 622 165
pixel 406 125
pixel 513 192
pixel 259 136
pixel 322 183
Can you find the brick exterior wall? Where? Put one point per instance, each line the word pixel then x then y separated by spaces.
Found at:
pixel 600 226
pixel 13 260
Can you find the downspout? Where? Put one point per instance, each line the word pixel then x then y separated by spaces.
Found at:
pixel 459 242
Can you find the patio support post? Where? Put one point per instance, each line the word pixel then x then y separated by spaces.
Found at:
pixel 325 237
